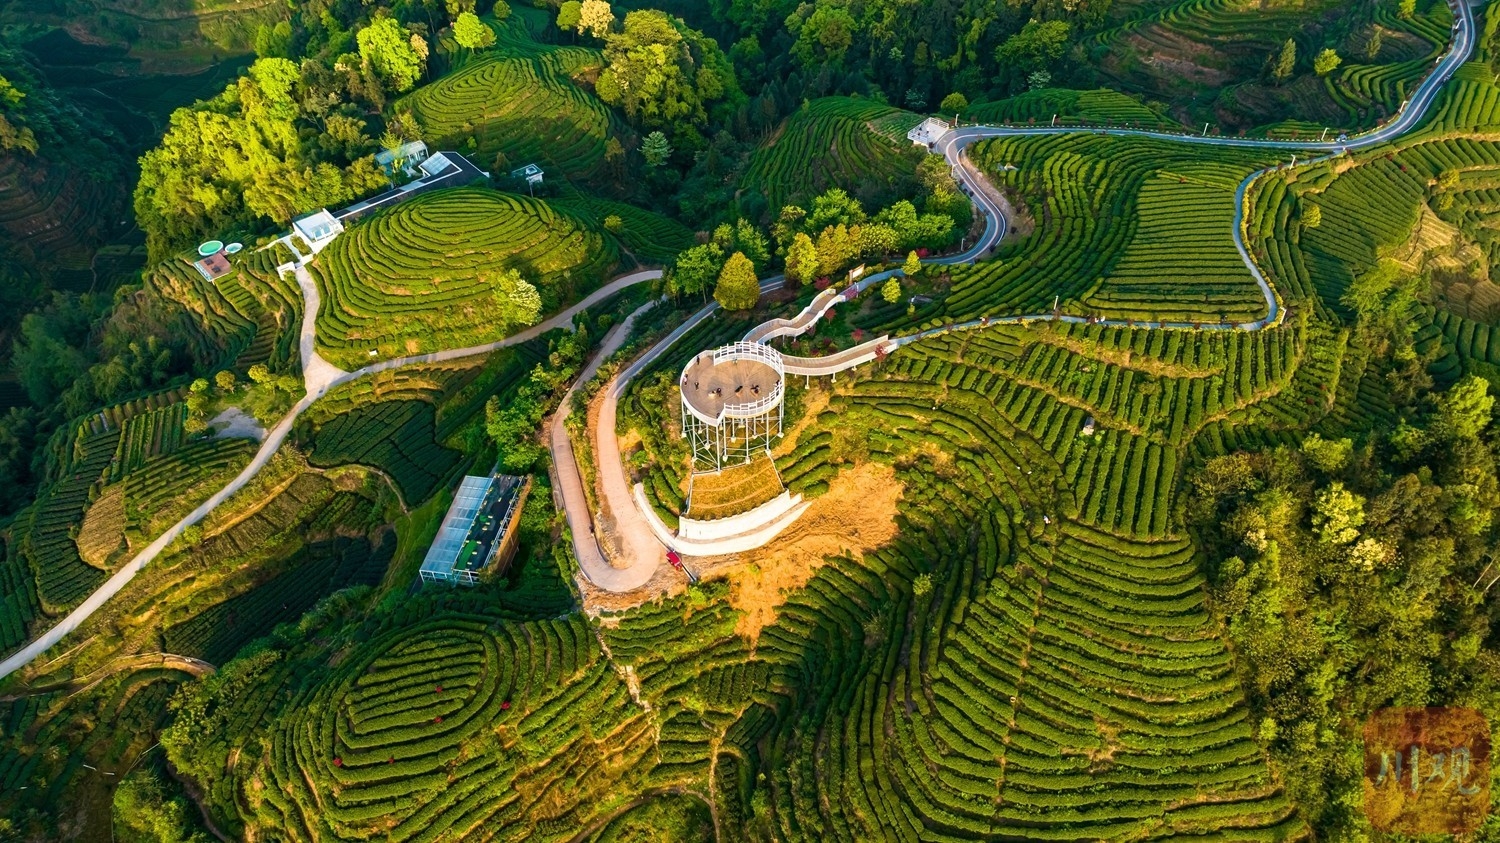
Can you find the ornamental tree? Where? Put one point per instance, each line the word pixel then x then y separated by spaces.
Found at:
pixel 738 288
pixel 954 103
pixel 1326 62
pixel 913 265
pixel 595 17
pixel 802 260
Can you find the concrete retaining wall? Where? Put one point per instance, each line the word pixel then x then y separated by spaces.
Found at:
pixel 717 547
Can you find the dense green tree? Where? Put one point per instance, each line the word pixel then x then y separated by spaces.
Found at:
pixel 1381 298
pixel 389 50
pixel 517 301
pixel 745 238
pixel 954 103
pixel 738 288
pixel 45 358
pixel 1327 455
pixel 824 33
pixel 471 33
pixel 513 426
pixel 1463 412
pixel 656 149
pixel 344 138
pixel 238 157
pixel 915 230
pixel 142 805
pixel 1338 514
pixel 834 207
pixel 568 15
pixel 695 270
pixel 1036 46
pixel 260 374
pixel 274 41
pixel 663 73
pixel 502 10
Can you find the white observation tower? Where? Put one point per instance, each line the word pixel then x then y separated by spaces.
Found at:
pixel 732 403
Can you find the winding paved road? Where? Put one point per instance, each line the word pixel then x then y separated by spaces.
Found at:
pixel 320 375
pixel 636 540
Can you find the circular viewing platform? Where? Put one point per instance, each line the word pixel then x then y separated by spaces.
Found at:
pixel 736 381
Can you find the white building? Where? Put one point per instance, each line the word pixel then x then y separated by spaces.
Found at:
pixel 317 229
pixel 531 174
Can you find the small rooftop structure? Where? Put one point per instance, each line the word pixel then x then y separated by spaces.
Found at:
pixel 478 531
pixel 212 267
pixel 1088 426
pixel 928 131
pixel 531 174
pixel 438 164
pixel 317 228
pixel 442 169
pixel 406 158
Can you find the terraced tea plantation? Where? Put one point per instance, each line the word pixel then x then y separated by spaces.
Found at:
pixel 420 276
pixel 1170 50
pixel 1055 579
pixel 836 142
pixel 376 749
pixel 1031 657
pixel 1039 107
pixel 1134 229
pixel 520 99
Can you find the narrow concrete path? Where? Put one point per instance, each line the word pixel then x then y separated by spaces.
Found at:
pixel 318 375
pixel 562 320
